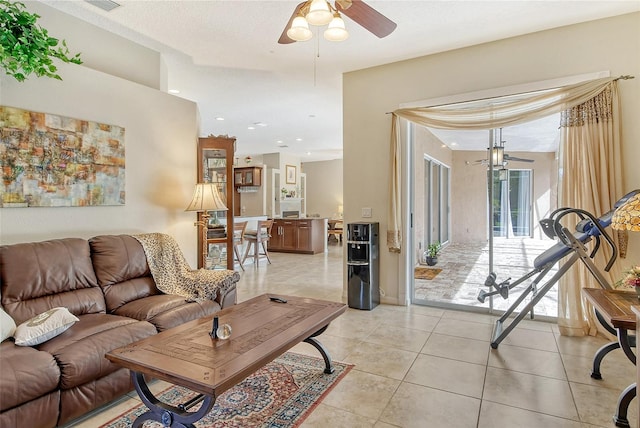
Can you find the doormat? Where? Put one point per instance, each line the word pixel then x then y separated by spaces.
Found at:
pixel 426 272
pixel 281 394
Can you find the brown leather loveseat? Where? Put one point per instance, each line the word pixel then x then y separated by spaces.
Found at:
pixel 105 282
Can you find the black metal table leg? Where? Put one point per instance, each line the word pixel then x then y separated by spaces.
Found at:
pixel 597 359
pixel 166 414
pixel 620 418
pixel 626 343
pixel 320 347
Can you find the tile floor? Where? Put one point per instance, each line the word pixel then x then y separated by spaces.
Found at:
pixel 430 367
pixel 465 268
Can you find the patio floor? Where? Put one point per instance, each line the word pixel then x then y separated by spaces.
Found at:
pixel 465 268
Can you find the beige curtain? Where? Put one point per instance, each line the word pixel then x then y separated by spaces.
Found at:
pixel 394 240
pixel 479 114
pixel 510 111
pixel 592 180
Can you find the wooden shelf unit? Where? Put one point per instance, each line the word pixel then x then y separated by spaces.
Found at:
pixel 215 165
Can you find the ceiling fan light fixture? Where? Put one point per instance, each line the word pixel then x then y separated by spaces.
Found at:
pixel 336 32
pixel 497 156
pixel 299 30
pixel 319 13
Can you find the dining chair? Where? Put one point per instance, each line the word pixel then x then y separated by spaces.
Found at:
pixel 258 239
pixel 238 240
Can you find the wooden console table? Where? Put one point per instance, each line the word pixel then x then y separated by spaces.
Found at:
pixel 613 309
pixel 262 330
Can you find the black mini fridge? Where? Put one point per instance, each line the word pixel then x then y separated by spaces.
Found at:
pixel 363 271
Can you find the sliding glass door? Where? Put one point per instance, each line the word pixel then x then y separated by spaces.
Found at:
pixel 512 191
pixel 436 210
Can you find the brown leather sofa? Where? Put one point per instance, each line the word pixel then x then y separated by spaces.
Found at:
pixel 106 283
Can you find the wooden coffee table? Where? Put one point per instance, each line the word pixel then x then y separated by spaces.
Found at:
pixel 187 356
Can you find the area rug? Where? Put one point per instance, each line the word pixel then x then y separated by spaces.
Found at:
pixel 426 272
pixel 281 394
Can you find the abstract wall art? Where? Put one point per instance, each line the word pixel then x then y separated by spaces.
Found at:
pixel 48 160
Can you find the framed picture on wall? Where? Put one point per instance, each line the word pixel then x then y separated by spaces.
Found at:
pixel 291 174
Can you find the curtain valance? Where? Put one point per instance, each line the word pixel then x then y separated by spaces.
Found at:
pixel 504 111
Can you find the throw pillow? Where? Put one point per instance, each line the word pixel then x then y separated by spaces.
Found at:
pixel 7 325
pixel 43 327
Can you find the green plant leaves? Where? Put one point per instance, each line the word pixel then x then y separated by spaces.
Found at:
pixel 25 47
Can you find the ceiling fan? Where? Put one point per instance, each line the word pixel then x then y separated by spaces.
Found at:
pixel 500 158
pixel 321 12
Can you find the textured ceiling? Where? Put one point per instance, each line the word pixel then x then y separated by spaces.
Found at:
pixel 224 55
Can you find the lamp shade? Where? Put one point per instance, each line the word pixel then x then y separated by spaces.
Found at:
pixel 336 32
pixel 627 216
pixel 206 198
pixel 319 13
pixel 299 30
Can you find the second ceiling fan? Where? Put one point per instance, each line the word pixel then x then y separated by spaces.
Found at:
pixel 321 12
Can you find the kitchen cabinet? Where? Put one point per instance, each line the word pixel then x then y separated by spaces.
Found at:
pixel 307 235
pixel 247 176
pixel 215 165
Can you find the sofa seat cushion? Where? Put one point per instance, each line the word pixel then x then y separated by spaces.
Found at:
pixel 80 350
pixel 167 310
pixel 39 413
pixel 25 374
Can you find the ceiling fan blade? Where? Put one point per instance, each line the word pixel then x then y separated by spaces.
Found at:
pixel 511 158
pixel 368 18
pixel 476 162
pixel 284 39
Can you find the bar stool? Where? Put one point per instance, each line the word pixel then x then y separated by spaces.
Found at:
pixel 238 240
pixel 260 236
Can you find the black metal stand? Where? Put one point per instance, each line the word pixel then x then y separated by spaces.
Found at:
pixel 323 351
pixel 166 414
pixel 626 342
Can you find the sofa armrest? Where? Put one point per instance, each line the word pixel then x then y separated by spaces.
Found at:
pixel 227 297
pixel 225 280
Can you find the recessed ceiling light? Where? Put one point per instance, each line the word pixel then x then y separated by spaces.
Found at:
pixel 260 124
pixel 308 153
pixel 454 144
pixel 251 127
pixel 219 118
pixel 174 91
pixel 298 139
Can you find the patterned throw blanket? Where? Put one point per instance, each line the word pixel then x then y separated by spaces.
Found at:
pixel 173 275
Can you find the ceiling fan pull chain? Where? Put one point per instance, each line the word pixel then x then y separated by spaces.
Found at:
pixel 315 60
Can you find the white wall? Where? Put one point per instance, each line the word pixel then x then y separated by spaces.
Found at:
pixel 609 44
pixel 160 153
pixel 324 187
pixel 100 49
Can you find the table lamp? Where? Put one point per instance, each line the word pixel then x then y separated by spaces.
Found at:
pixel 625 218
pixel 206 197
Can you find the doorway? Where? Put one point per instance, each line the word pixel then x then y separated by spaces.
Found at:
pixel 512 189
pixel 454 180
